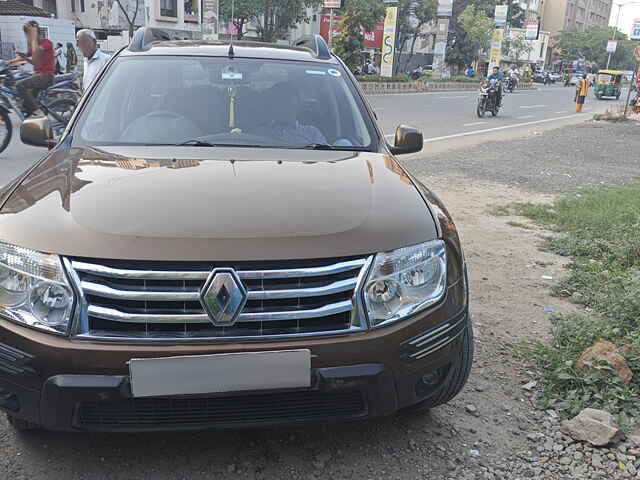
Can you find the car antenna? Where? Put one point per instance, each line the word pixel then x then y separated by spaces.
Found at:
pixel 230 53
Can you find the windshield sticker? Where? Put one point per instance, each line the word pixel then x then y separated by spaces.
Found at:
pixel 231 76
pixel 333 72
pixel 315 72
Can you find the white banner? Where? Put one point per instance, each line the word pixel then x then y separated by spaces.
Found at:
pixel 501 15
pixel 612 45
pixel 531 31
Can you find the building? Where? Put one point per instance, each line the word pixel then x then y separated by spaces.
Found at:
pixel 537 54
pixel 560 15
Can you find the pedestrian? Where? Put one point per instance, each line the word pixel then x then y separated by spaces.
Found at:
pixel 61 59
pixel 72 58
pixel 582 90
pixel 470 72
pixel 40 55
pixel 94 58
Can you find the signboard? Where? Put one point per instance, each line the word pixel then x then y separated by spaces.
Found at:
pixel 495 54
pixel 371 39
pixel 388 42
pixel 501 15
pixel 445 8
pixel 532 30
pixel 612 45
pixel 635 30
pixel 332 3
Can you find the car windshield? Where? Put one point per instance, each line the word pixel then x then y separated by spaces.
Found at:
pixel 211 101
pixel 605 78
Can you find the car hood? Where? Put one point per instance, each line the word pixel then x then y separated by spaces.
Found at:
pixel 191 203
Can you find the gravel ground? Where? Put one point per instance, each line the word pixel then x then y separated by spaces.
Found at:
pixel 491 431
pixel 554 161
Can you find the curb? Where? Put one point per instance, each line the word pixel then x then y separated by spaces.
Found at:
pixel 420 87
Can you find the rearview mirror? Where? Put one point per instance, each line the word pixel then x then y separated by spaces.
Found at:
pixel 37 132
pixel 408 140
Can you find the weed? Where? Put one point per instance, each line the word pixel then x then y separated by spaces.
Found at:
pixel 600 229
pixel 520 225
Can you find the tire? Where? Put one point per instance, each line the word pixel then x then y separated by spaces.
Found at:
pixel 63 108
pixel 5 121
pixel 480 110
pixel 21 425
pixel 494 111
pixel 456 378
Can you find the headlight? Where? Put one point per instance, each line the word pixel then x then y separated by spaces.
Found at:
pixel 404 281
pixel 34 290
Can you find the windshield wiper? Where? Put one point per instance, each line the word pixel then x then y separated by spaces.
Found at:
pixel 198 143
pixel 319 146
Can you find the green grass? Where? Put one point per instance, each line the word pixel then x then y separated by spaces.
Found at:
pixel 600 229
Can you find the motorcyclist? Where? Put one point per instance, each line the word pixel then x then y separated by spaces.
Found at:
pixel 496 76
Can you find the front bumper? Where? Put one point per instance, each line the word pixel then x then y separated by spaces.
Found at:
pixel 69 385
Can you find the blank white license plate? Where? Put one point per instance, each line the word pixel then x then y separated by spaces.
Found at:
pixel 227 372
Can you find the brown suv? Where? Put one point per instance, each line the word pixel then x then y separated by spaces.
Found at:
pixel 222 238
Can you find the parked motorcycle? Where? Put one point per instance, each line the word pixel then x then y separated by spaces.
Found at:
pixel 488 99
pixel 57 102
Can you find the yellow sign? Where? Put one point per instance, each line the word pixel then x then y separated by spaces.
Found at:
pixel 495 54
pixel 388 42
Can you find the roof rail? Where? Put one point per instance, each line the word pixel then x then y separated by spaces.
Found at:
pixel 316 44
pixel 145 36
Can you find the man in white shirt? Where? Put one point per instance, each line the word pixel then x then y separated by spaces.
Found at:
pixel 94 58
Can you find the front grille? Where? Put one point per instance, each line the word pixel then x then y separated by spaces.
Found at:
pixel 161 300
pixel 141 413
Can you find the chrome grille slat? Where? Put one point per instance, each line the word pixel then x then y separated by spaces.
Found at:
pixel 105 271
pixel 118 316
pixel 161 300
pixel 101 290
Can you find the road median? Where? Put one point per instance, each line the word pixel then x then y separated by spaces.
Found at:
pixel 373 88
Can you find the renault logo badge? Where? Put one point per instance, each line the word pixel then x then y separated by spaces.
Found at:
pixel 223 296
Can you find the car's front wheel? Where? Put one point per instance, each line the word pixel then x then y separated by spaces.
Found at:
pixel 22 425
pixel 456 378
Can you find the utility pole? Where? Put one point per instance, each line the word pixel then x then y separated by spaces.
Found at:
pixel 615 27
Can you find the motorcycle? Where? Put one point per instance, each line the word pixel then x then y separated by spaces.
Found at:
pixel 488 99
pixel 57 102
pixel 510 84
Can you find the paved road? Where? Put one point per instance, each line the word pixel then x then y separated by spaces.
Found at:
pixel 447 120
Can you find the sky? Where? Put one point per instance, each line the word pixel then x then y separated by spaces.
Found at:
pixel 627 14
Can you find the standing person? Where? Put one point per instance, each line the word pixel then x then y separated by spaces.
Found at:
pixel 61 59
pixel 72 58
pixel 582 90
pixel 40 55
pixel 94 58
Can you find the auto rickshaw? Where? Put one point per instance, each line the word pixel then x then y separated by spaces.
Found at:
pixel 608 84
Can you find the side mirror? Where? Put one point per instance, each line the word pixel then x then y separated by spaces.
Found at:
pixel 408 140
pixel 37 132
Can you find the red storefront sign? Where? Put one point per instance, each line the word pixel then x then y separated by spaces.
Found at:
pixel 371 39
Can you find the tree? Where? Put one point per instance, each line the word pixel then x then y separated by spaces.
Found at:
pixel 591 44
pixel 243 12
pixel 516 47
pixel 413 15
pixel 477 27
pixel 273 17
pixel 359 16
pixel 129 17
pixel 279 16
pixel 461 50
pixel 515 17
